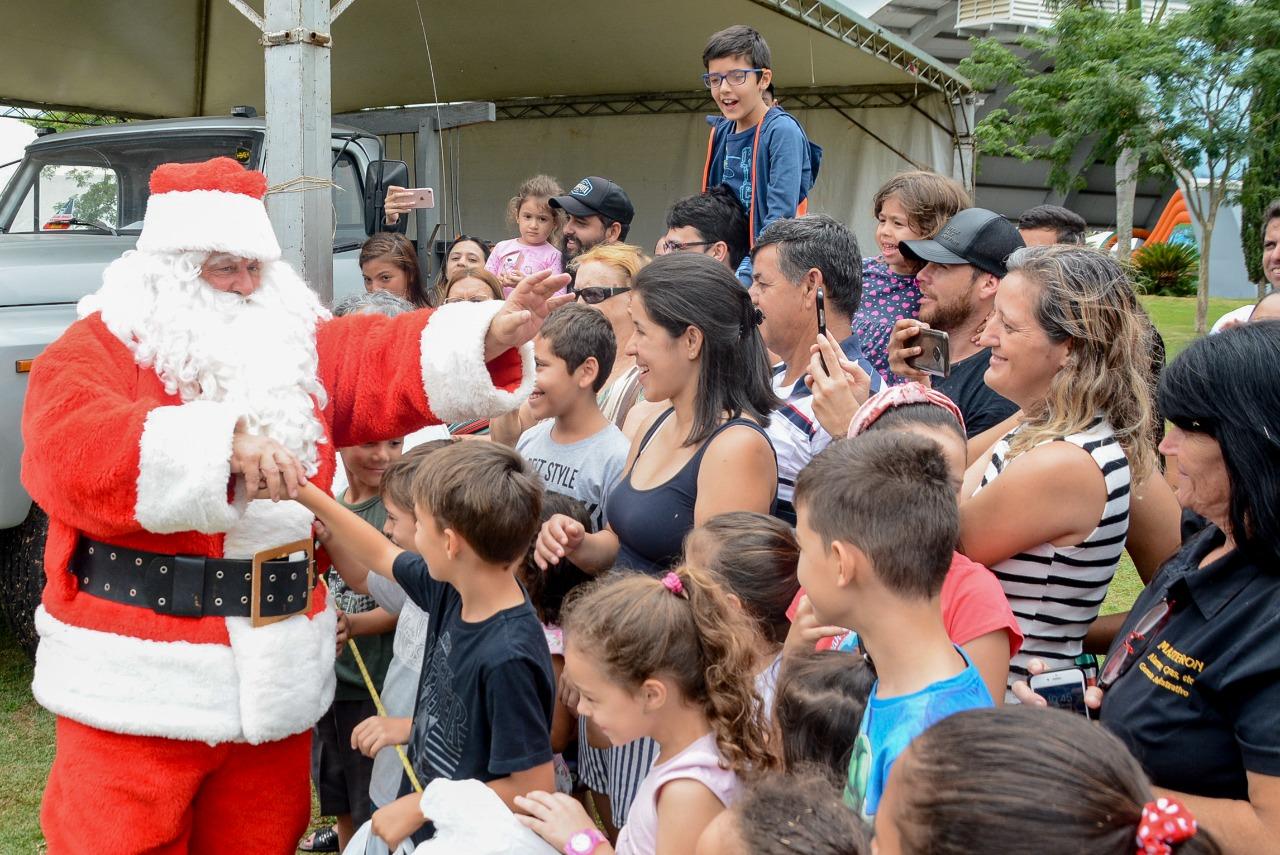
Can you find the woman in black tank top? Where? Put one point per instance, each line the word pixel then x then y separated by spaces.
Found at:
pixel 697 345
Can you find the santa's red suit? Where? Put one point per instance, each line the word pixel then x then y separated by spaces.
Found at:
pixel 191 734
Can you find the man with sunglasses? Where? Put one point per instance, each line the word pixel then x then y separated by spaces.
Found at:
pixel 759 151
pixel 711 223
pixel 597 211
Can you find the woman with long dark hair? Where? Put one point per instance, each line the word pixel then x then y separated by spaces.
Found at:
pixel 697 345
pixel 1192 680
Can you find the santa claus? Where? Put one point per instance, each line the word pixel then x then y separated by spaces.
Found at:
pixel 183 644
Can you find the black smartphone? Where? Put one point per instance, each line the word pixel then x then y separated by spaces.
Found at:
pixel 935 353
pixel 821 303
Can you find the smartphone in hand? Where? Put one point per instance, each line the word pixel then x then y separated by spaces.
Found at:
pixel 934 358
pixel 821 303
pixel 423 197
pixel 1063 689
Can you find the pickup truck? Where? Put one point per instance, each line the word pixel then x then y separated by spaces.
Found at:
pixel 75 203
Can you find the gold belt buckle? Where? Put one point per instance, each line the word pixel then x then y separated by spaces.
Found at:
pixel 259 558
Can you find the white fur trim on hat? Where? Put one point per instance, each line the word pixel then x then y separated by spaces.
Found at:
pixel 208 221
pixel 184 467
pixel 270 683
pixel 454 373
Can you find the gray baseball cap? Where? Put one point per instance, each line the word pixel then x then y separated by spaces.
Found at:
pixel 973 236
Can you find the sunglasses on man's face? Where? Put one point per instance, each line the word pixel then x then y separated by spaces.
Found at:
pixel 592 296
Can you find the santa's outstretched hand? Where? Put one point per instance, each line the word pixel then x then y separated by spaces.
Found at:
pixel 270 470
pixel 524 311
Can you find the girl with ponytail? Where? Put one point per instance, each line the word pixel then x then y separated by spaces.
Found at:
pixel 1017 779
pixel 673 660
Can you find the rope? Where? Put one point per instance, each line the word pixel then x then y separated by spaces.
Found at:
pixel 382 710
pixel 302 184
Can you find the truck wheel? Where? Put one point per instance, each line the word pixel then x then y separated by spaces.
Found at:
pixel 22 576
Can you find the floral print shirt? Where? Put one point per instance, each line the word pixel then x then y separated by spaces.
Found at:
pixel 886 297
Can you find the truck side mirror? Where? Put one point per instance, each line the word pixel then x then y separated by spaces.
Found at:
pixel 381 175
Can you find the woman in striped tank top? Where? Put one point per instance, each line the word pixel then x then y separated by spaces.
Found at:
pixel 1047 499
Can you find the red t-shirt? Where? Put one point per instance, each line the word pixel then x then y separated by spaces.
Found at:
pixel 973 604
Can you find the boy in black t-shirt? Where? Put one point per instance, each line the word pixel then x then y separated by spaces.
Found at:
pixel 486 691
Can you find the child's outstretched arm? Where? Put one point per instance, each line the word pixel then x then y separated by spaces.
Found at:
pixel 361 541
pixel 355 574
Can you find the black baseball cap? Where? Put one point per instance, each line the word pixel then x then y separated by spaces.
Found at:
pixel 596 195
pixel 973 236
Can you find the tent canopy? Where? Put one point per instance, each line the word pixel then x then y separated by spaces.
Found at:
pixel 200 57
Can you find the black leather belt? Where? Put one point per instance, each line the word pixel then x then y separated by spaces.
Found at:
pixel 265 588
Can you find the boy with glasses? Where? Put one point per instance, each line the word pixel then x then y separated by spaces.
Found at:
pixel 759 151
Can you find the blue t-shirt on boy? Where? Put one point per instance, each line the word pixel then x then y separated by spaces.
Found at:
pixel 889 725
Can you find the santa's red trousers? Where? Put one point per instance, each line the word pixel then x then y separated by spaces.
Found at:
pixel 114 794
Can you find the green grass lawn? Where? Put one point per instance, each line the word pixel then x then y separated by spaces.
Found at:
pixel 1175 317
pixel 26 730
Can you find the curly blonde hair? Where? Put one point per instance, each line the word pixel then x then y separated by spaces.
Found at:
pixel 636 628
pixel 1086 297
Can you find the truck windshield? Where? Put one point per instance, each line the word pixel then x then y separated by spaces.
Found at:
pixel 101 187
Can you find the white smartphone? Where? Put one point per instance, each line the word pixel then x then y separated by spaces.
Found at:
pixel 423 197
pixel 1063 689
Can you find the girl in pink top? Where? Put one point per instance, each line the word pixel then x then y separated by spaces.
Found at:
pixel 530 211
pixel 671 659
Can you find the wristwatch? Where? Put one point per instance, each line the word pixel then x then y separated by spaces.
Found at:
pixel 584 842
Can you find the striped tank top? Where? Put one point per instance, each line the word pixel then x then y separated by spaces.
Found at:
pixel 1056 591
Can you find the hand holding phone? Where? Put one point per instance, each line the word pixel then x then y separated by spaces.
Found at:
pixel 821 303
pixel 1063 689
pixel 423 197
pixel 934 358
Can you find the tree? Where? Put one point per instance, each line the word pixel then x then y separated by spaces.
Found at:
pixel 1260 183
pixel 1094 94
pixel 1177 92
pixel 1212 58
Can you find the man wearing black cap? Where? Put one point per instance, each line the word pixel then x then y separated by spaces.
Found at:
pixel 963 268
pixel 598 211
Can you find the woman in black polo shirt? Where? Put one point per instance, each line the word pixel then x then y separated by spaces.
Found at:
pixel 1192 682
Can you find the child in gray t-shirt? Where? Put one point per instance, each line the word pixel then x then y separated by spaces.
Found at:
pixel 576 450
pixel 585 470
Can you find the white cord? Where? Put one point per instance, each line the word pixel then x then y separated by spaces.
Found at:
pixel 435 97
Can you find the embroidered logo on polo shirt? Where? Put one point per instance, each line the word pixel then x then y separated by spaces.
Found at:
pixel 1171 669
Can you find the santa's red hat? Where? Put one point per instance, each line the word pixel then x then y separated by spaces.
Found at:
pixel 215 206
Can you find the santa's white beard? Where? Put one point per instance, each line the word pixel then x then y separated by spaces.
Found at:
pixel 256 352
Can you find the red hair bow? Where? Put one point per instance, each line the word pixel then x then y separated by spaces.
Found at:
pixel 1164 822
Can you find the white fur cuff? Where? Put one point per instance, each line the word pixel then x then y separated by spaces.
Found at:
pixel 184 468
pixel 454 373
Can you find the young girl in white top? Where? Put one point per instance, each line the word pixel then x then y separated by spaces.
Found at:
pixel 672 659
pixel 531 213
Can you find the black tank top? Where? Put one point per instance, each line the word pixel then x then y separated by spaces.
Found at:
pixel 651 524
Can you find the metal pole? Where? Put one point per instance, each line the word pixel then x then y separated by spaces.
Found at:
pixel 296 39
pixel 963 110
pixel 427 168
